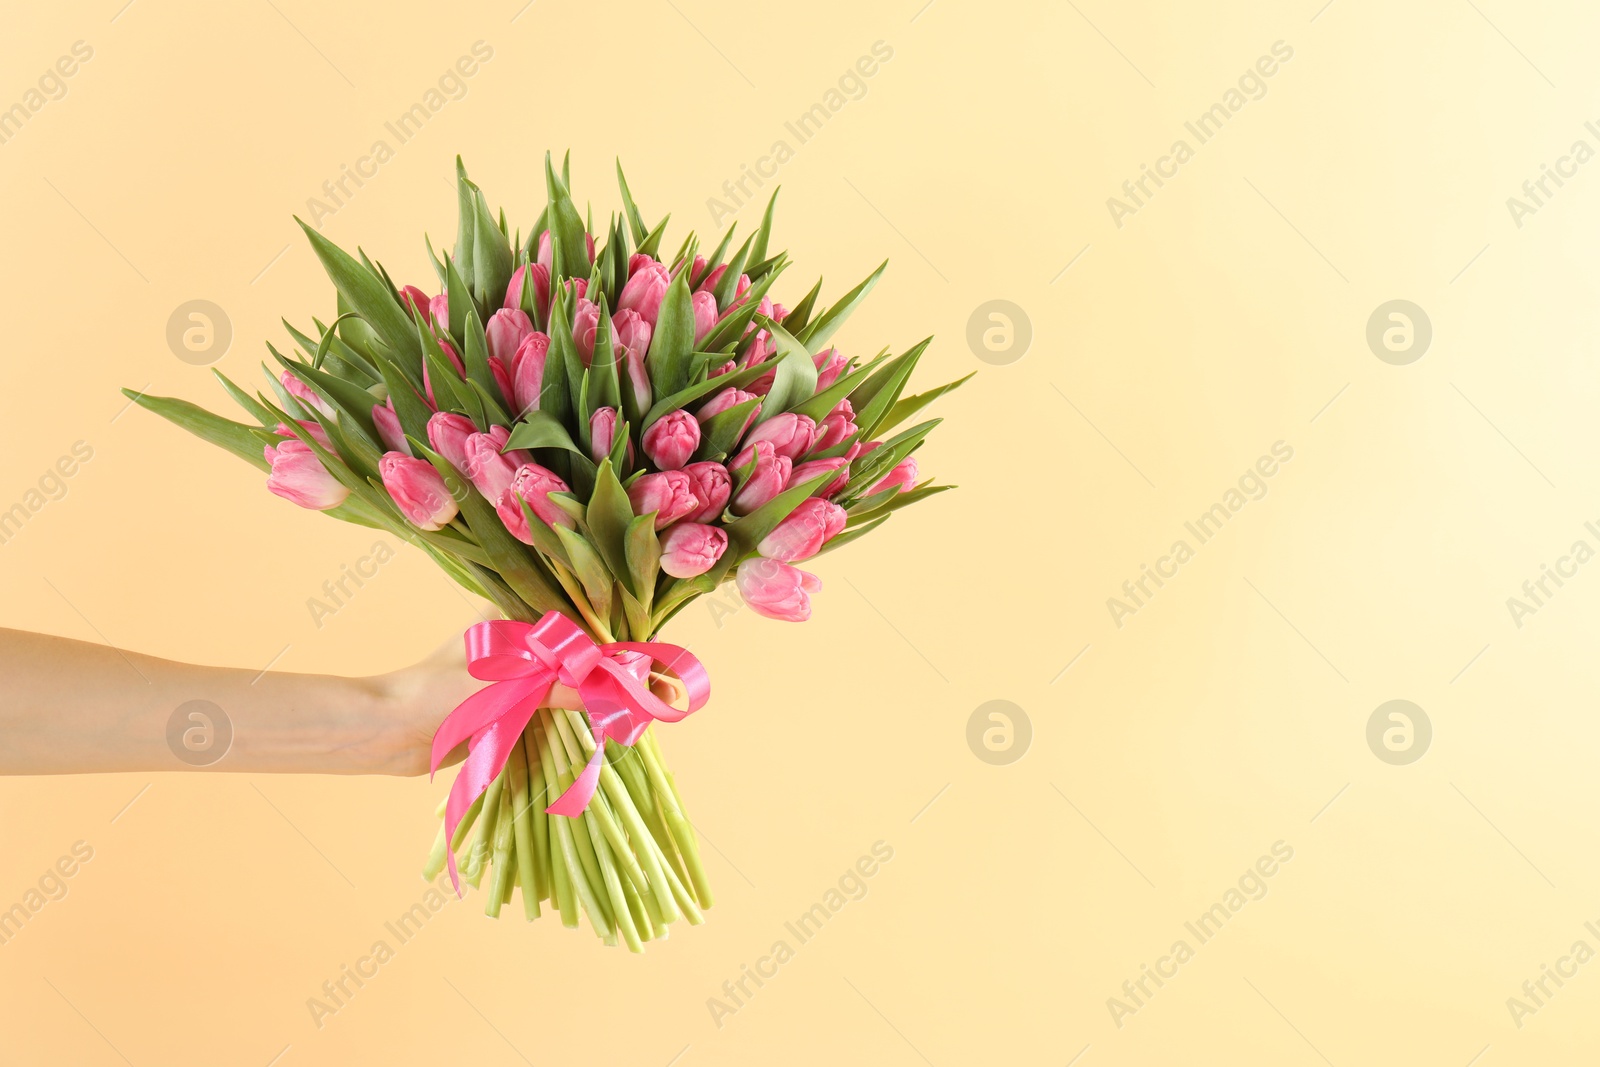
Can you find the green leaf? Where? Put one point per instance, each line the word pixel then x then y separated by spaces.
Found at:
pixel 651 245
pixel 800 314
pixel 643 551
pixel 608 515
pixel 873 399
pixel 491 259
pixel 590 569
pixel 906 407
pixel 467 217
pixel 607 387
pixel 758 246
pixel 413 411
pixel 570 251
pixel 236 437
pixel 562 368
pixel 715 258
pixel 369 296
pixel 866 512
pixel 630 209
pixel 817 333
pixel 845 536
pixel 795 377
pixel 729 283
pixel 540 430
pixel 256 409
pixel 459 296
pixel 727 333
pixel 673 340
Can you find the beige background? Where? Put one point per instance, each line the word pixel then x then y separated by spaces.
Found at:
pixel 1167 755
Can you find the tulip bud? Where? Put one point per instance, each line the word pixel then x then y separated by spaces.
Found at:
pixel 602 433
pixel 585 323
pixel 802 535
pixel 415 299
pixel 439 308
pixel 903 477
pixel 448 433
pixel 816 468
pixel 637 260
pixel 791 435
pixel 728 398
pixel 830 364
pixel 502 381
pixel 417 490
pixel 488 467
pixel 506 330
pixel 697 272
pixel 534 484
pixel 839 424
pixel 305 394
pixel 690 549
pixel 705 315
pixel 766 479
pixel 776 589
pixel 389 429
pixel 547 252
pixel 454 360
pixel 299 476
pixel 527 372
pixel 672 439
pixel 540 273
pixel 645 291
pixel 630 331
pixel 670 495
pixel 712 487
pixel 726 368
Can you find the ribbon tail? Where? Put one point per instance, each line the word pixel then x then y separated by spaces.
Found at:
pixel 489 750
pixel 576 798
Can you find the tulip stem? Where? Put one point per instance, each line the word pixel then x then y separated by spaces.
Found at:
pixel 517 767
pixel 562 886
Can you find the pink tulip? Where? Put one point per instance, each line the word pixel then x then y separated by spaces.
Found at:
pixel 389 429
pixel 299 476
pixel 305 394
pixel 541 287
pixel 488 467
pixel 728 398
pixel 697 271
pixel 776 589
pixel 579 287
pixel 839 424
pixel 690 549
pixel 816 468
pixel 726 368
pixel 527 372
pixel 447 434
pixel 670 495
pixel 416 300
pixel 630 331
pixel 712 487
pixel 903 477
pixel 506 330
pixel 637 260
pixel 602 433
pixel 802 535
pixel 705 315
pixel 439 308
pixel 672 439
pixel 502 380
pixel 830 364
pixel 766 479
pixel 417 490
pixel 585 323
pixel 791 435
pixel 645 291
pixel 534 484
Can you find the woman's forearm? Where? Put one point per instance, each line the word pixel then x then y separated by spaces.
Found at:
pixel 69 707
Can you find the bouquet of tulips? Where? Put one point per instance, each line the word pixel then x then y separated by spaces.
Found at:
pixel 588 436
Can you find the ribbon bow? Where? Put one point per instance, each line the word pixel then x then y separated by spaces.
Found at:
pixel 525 661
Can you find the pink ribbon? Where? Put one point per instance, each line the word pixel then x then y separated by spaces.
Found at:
pixel 525 661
